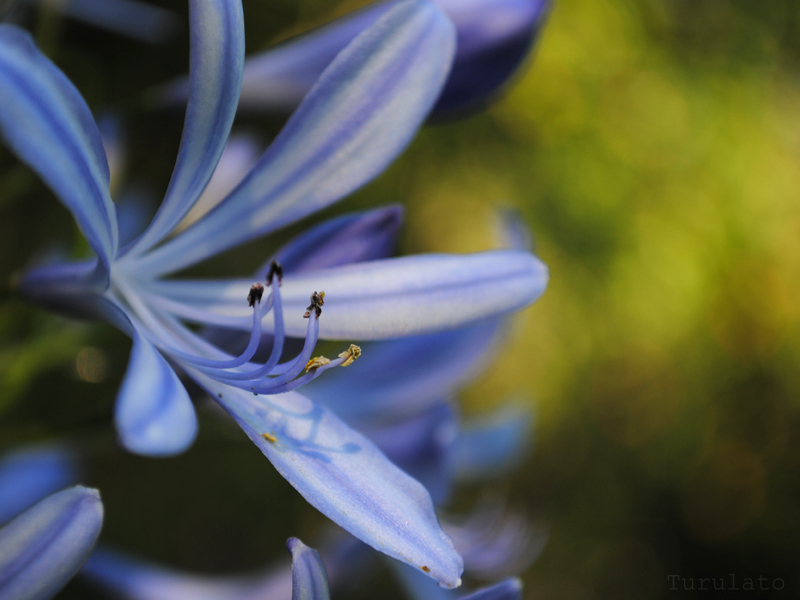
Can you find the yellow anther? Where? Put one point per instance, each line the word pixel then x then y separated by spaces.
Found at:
pixel 317 361
pixel 270 438
pixel 350 355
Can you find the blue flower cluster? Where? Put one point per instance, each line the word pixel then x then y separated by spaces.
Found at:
pixel 375 447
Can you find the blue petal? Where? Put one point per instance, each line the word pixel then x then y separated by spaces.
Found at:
pixel 344 476
pixel 153 414
pixel 494 37
pixel 30 474
pixel 510 589
pixel 404 376
pixel 42 548
pixel 309 580
pixel 351 238
pixel 421 447
pixel 380 299
pixel 490 447
pixel 47 124
pixel 360 115
pixel 217 57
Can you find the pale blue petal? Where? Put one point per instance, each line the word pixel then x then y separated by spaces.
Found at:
pixel 42 548
pixel 27 475
pixel 47 124
pixel 217 56
pixel 153 413
pixel 402 377
pixel 125 576
pixel 491 446
pixel 344 476
pixel 351 238
pixel 360 115
pixel 510 589
pixel 381 299
pixel 421 447
pixel 309 580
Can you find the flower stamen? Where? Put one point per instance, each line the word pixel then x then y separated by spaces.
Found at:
pixel 255 294
pixel 275 269
pixel 317 302
pixel 316 362
pixel 350 355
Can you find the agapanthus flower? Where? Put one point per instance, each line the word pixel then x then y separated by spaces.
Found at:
pixel 43 547
pixel 360 114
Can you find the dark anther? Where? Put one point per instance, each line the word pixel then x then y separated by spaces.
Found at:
pixel 255 293
pixel 275 268
pixel 317 302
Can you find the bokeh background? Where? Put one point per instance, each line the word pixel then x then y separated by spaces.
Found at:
pixel 653 148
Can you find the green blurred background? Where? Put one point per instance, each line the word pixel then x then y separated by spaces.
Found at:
pixel 653 148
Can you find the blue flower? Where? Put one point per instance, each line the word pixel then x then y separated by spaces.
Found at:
pixel 361 113
pixel 42 548
pixel 494 38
